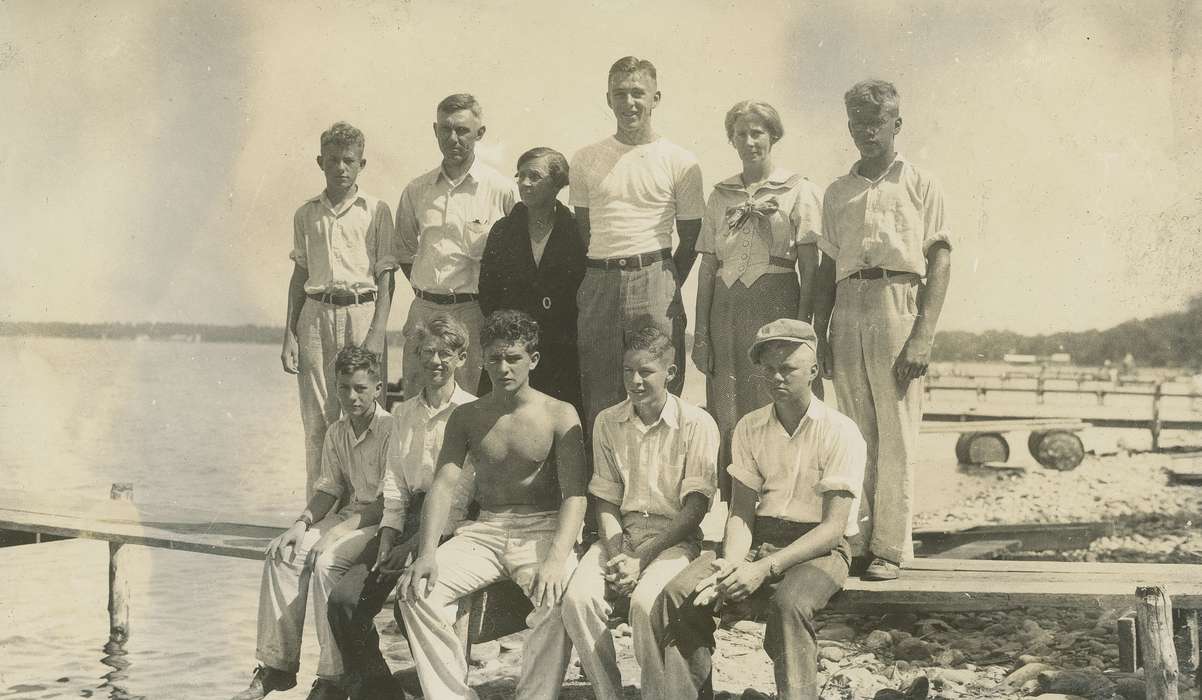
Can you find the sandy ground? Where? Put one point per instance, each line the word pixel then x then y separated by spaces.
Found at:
pixel 963 655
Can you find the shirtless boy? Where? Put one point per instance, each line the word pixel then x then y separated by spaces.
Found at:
pixel 530 483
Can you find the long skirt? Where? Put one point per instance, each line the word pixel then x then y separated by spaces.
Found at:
pixel 736 313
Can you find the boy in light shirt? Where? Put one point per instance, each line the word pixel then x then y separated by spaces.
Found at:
pixel 325 540
pixel 655 471
pixel 797 466
pixel 360 595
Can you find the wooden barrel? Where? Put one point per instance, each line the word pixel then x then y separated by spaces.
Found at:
pixel 978 448
pixel 1057 449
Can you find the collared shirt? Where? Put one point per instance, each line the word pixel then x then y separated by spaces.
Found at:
pixel 651 468
pixel 344 249
pixel 635 194
pixel 890 222
pixel 355 462
pixel 413 457
pixel 792 472
pixel 442 226
pixel 792 207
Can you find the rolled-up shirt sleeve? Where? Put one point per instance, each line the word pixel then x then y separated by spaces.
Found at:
pixel 406 229
pixel 299 254
pixel 806 216
pixel 934 226
pixel 606 483
pixel 843 461
pixel 382 240
pixel 333 476
pixel 743 466
pixel 701 460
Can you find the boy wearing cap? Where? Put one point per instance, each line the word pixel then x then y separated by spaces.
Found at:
pixel 797 467
pixel 655 470
pixel 883 231
pixel 341 287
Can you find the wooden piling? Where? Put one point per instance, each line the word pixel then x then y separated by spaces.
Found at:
pixel 118 577
pixel 1155 623
pixel 1157 393
pixel 1128 644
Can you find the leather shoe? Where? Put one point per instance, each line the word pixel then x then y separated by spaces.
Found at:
pixel 881 569
pixel 326 689
pixel 265 680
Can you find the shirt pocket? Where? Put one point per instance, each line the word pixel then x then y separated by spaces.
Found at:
pixel 475 231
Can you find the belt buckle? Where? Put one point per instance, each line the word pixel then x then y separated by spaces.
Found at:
pixel 454 299
pixel 621 262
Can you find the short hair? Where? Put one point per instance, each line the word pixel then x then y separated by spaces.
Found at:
pixel 881 93
pixel 653 339
pixel 630 64
pixel 443 327
pixel 557 165
pixel 342 134
pixel 460 101
pixel 512 327
pixel 353 358
pixel 763 110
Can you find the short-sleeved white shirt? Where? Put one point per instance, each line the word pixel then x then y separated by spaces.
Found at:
pixel 343 248
pixel 635 194
pixel 792 472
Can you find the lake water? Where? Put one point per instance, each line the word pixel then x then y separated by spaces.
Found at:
pixel 200 425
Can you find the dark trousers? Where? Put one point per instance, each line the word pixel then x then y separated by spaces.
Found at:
pixel 787 605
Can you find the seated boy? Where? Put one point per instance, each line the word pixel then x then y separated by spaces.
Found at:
pixel 655 470
pixel 530 483
pixel 324 541
pixel 797 466
pixel 441 342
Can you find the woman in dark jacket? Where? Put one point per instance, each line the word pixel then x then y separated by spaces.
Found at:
pixel 534 262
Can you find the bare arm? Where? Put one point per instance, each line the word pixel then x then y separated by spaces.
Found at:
pixel 916 354
pixel 706 279
pixel 583 226
pixel 686 252
pixel 296 299
pixel 379 321
pixel 551 579
pixel 609 527
pixel 824 305
pixel 807 268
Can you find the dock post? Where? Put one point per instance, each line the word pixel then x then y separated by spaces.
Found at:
pixel 1157 393
pixel 118 578
pixel 1129 659
pixel 1039 389
pixel 1155 621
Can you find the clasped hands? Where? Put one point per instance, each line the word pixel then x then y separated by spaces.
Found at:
pixel 730 582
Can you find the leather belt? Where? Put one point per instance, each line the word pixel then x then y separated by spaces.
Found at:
pixel 452 298
pixel 876 273
pixel 343 298
pixel 630 262
pixel 775 260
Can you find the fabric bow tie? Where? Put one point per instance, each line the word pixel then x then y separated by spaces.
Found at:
pixel 737 217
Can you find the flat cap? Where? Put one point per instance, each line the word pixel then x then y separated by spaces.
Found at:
pixel 789 329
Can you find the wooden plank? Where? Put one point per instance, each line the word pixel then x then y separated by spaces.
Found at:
pixel 1034 536
pixel 1001 426
pixel 1092 568
pixel 981 549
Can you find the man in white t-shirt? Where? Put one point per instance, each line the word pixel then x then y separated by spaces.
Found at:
pixel 629 191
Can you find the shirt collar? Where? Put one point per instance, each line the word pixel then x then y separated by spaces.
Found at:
pixel 815 411
pixel 321 198
pixel 670 415
pixel 473 172
pixel 779 178
pixel 371 427
pixel 898 161
pixel 458 397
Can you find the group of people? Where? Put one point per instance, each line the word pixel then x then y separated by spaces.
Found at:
pixel 569 326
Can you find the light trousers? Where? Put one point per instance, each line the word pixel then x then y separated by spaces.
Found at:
pixel 468 313
pixel 494 547
pixel 321 331
pixel 586 611
pixel 322 556
pixel 871 322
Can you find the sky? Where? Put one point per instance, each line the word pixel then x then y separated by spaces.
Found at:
pixel 153 152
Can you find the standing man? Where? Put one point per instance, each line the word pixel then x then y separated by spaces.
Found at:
pixel 628 191
pixel 443 221
pixel 883 232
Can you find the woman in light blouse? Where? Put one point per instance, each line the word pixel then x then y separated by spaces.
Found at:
pixel 758 261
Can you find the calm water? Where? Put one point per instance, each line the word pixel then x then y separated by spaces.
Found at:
pixel 204 425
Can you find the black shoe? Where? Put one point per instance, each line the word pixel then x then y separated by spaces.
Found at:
pixel 326 689
pixel 265 680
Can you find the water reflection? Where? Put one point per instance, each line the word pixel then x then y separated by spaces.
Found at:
pixel 115 680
